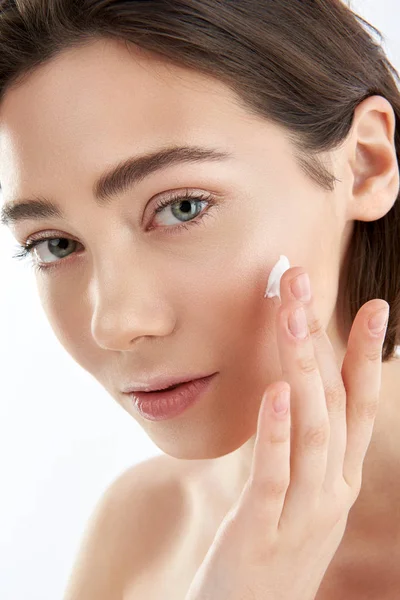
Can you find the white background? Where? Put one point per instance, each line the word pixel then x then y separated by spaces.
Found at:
pixel 63 439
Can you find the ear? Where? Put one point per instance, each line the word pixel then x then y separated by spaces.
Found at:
pixel 371 157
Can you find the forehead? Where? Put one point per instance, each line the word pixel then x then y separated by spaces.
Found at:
pixel 100 103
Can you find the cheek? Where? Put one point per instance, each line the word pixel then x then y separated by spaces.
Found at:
pixel 68 319
pixel 227 305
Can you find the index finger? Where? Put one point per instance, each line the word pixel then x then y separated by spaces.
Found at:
pixel 329 369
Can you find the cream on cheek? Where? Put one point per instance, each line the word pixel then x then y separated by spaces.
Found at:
pixel 274 280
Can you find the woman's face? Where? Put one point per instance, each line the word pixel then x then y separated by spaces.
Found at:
pixel 134 293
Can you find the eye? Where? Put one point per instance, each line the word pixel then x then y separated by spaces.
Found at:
pixel 60 247
pixel 182 206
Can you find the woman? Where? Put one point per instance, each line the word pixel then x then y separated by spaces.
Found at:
pixel 278 120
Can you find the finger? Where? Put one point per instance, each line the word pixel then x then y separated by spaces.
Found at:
pixel 362 373
pixel 330 372
pixel 270 469
pixel 310 422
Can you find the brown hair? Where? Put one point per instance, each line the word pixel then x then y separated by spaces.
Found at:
pixel 304 65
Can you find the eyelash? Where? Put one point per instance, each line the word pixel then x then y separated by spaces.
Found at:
pixel 25 250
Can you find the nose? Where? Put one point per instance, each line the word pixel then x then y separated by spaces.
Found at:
pixel 130 304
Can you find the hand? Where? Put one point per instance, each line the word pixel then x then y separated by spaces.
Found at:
pixel 278 540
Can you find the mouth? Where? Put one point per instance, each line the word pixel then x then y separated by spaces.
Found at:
pixel 171 401
pixel 171 387
pixel 166 384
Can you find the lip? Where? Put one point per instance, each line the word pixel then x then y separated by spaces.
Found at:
pixel 160 383
pixel 159 406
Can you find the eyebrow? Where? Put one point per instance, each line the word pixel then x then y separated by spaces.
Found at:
pixel 115 180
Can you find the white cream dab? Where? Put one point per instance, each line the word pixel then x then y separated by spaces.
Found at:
pixel 274 280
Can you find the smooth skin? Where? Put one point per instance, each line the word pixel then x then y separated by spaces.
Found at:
pixel 134 295
pixel 281 535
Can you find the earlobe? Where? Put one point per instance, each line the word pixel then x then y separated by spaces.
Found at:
pixel 374 164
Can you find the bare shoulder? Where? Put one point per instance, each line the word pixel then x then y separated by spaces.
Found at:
pixel 131 523
pixel 148 500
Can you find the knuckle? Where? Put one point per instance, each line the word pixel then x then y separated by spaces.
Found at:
pixel 279 437
pixel 316 328
pixel 260 487
pixel 275 487
pixel 373 354
pixel 316 436
pixel 306 364
pixel 335 394
pixel 367 409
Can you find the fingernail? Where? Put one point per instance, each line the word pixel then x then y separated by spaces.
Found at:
pixel 281 402
pixel 298 323
pixel 301 288
pixel 378 322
